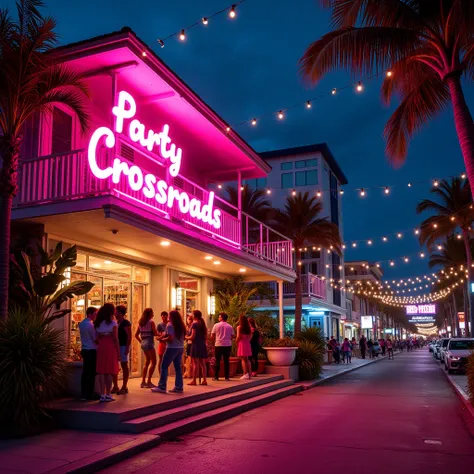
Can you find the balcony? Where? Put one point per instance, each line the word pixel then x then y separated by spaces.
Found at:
pixel 312 286
pixel 68 177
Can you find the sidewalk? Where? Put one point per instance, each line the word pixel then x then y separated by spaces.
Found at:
pixel 459 384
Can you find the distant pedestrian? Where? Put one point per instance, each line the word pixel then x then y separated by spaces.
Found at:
pixel 125 340
pixel 347 350
pixel 370 347
pixel 108 351
pixel 354 347
pixel 255 343
pixel 363 346
pixel 382 345
pixel 244 350
pixel 198 338
pixel 161 329
pixel 389 345
pixel 174 338
pixel 222 333
pixel 145 335
pixel 188 359
pixel 89 355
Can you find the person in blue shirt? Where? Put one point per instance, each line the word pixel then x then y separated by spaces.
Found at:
pixel 174 338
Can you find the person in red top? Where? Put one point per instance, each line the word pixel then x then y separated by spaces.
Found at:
pixel 389 346
pixel 347 349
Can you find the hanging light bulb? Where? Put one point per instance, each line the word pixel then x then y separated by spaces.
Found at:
pixel 463 176
pixel 219 186
pixel 435 183
pixel 459 236
pixel 269 191
pixel 369 242
pixel 281 115
pixel 354 244
pixel 435 225
pixel 308 104
pixel 232 12
pixel 362 192
pixel 333 92
pixel 409 185
pixel 453 218
pixel 384 239
pixel 406 259
pixel 318 194
pixel 341 192
pixel 182 36
pixel 417 231
pixel 205 21
pixel 293 192
pixel 399 235
pixel 144 54
pixel 440 247
pixel 389 73
pixel 422 255
pixel 387 190
pixel 359 87
pixel 254 121
pixel 227 129
pixel 161 43
pixel 392 263
pixel 241 188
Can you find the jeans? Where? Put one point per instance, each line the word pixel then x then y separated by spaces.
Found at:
pixel 172 355
pixel 223 351
pixel 362 352
pixel 348 356
pixel 89 358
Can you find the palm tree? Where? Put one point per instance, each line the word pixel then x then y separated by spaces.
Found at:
pixel 31 81
pixel 255 202
pixel 300 221
pixel 425 47
pixel 453 254
pixel 452 211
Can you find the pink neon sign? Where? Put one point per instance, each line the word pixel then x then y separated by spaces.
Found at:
pixel 138 180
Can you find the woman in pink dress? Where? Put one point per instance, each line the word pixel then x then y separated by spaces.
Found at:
pixel 108 350
pixel 244 350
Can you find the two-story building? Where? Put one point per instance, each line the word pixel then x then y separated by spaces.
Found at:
pixel 311 169
pixel 134 193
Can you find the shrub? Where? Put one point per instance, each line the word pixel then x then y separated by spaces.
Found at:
pixel 267 325
pixel 285 342
pixel 470 377
pixel 309 358
pixel 32 369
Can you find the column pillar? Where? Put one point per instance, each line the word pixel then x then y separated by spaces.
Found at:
pixel 280 308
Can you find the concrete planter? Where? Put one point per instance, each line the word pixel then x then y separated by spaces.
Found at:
pixel 281 356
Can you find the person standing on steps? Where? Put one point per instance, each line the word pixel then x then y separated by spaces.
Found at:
pixel 198 338
pixel 174 338
pixel 222 333
pixel 145 335
pixel 244 350
pixel 89 355
pixel 188 359
pixel 255 343
pixel 363 346
pixel 161 328
pixel 125 340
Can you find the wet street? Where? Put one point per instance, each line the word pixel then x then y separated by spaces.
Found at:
pixel 392 417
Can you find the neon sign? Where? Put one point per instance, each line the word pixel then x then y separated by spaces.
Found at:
pixel 138 180
pixel 414 309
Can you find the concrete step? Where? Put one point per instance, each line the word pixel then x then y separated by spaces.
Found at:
pixel 162 418
pixel 212 417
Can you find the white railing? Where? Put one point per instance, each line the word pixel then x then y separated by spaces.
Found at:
pixel 311 286
pixel 67 177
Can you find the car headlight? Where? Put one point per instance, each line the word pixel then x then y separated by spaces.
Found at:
pixel 454 357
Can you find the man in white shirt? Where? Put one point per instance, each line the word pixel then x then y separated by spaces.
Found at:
pixel 89 355
pixel 222 333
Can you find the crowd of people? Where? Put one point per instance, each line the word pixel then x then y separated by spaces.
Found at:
pixel 343 352
pixel 106 337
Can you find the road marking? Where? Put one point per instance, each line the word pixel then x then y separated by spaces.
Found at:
pixel 433 441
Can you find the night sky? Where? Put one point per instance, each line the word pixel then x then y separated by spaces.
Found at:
pixel 248 67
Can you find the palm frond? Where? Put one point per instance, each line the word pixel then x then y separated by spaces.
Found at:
pixel 362 51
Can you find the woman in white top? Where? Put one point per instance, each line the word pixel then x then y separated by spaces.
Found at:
pixel 108 350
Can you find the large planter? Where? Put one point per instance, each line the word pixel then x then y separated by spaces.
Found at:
pixel 281 356
pixel 261 366
pixel 232 369
pixel 237 364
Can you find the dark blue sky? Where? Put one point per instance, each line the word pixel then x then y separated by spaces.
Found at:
pixel 248 67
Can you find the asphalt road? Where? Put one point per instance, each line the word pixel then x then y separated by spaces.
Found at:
pixel 392 417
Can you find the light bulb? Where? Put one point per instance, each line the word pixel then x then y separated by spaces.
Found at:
pixel 409 185
pixel 392 263
pixel 417 231
pixel 387 191
pixel 232 12
pixel 308 104
pixel 384 239
pixel 362 192
pixel 280 115
pixel 389 73
pixel 369 242
pixel 354 244
pixel 459 236
pixel 453 218
pixel 341 192
pixel 333 92
pixel 227 129
pixel 293 192
pixel 161 43
pixel 144 54
pixel 463 176
pixel 435 183
pixel 254 121
pixel 406 259
pixel 359 87
pixel 422 255
pixel 182 36
pixel 269 191
pixel 440 247
pixel 435 225
pixel 241 188
pixel 205 21
pixel 399 235
pixel 219 186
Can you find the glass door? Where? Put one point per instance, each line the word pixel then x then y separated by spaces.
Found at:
pixel 138 305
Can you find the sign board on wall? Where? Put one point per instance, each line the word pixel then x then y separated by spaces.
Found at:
pixel 462 320
pixel 420 309
pixel 366 322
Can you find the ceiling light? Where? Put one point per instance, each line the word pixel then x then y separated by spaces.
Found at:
pixel 165 243
pixel 216 262
pixel 107 262
pixel 208 257
pixel 242 270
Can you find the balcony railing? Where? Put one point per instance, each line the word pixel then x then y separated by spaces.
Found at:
pixel 67 177
pixel 311 286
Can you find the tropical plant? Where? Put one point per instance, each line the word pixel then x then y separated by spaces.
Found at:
pixel 300 221
pixel 283 342
pixel 234 296
pixel 424 46
pixel 267 324
pixel 310 359
pixel 32 369
pixel 255 202
pixel 31 81
pixel 43 293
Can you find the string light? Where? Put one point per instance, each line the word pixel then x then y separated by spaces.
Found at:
pixel 232 12
pixel 389 73
pixel 294 192
pixel 318 194
pixel 308 104
pixel 333 92
pixel 254 121
pixel 463 176
pixel 182 35
pixel 359 87
pixel 387 190
pixel 362 192
pixel 281 115
pixel 205 21
pixel 435 183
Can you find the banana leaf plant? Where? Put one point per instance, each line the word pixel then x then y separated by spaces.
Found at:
pixel 44 292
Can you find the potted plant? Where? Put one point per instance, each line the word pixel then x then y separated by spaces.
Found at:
pixel 281 352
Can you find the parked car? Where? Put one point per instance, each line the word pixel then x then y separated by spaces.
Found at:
pixel 437 348
pixel 457 353
pixel 431 345
pixel 442 349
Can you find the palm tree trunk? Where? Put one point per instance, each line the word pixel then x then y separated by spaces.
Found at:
pixel 9 152
pixel 298 295
pixel 469 310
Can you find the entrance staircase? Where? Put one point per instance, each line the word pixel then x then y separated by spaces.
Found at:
pixel 169 416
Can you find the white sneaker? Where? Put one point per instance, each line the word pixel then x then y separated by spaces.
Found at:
pixel 245 377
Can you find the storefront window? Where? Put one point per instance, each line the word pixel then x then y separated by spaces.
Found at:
pixel 81 263
pixel 78 311
pixel 142 274
pixel 109 268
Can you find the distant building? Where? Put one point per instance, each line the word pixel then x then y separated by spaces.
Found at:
pixel 311 169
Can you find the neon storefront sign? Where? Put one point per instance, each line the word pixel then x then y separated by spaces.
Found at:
pixel 139 180
pixel 420 309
